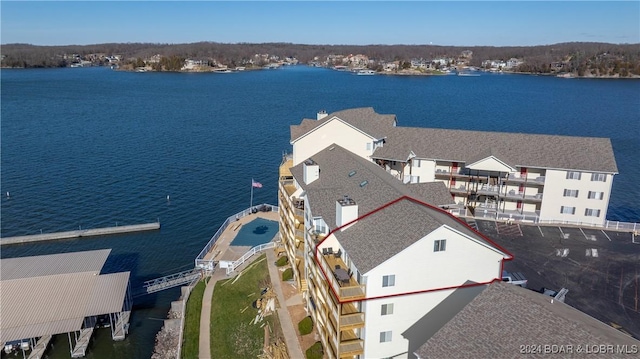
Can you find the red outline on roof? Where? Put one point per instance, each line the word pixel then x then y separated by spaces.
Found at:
pixel 405 197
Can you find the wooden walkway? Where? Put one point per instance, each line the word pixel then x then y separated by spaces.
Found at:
pixel 40 347
pixel 121 326
pixel 80 349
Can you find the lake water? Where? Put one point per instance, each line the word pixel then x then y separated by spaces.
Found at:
pixel 92 147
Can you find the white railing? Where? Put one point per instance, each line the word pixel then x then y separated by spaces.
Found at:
pixel 209 264
pixel 622 226
pixel 233 265
pixel 613 225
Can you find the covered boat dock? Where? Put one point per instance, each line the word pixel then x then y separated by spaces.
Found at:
pixel 60 293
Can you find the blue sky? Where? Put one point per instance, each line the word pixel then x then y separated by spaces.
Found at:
pixel 456 23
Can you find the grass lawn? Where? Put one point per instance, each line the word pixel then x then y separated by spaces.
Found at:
pixel 232 334
pixel 192 322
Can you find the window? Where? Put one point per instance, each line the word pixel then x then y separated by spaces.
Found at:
pixel 386 309
pixel 598 177
pixel 592 212
pixel 567 210
pixel 595 195
pixel 571 193
pixel 573 175
pixel 439 245
pixel 389 280
pixel 368 146
pixel 416 163
pixel 385 337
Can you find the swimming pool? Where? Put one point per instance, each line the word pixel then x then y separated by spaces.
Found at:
pixel 256 232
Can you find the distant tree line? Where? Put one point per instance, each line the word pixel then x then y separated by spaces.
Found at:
pixel 578 57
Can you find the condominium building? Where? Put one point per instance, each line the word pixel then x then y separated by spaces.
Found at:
pixel 364 222
pixel 373 255
pixel 505 176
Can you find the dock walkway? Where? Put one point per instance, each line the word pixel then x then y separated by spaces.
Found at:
pixel 40 347
pixel 121 326
pixel 80 349
pixel 81 233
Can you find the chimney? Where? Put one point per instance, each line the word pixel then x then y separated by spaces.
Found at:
pixel 311 171
pixel 321 114
pixel 346 211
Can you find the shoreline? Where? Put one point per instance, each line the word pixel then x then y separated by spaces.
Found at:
pixel 384 73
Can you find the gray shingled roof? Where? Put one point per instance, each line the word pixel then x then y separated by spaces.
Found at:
pixel 515 149
pixel 365 119
pixel 367 242
pixel 502 318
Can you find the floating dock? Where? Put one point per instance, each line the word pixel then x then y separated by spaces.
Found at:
pixel 81 233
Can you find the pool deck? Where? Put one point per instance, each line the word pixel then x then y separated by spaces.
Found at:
pixel 223 250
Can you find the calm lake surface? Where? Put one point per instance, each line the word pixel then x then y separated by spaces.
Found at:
pixel 92 147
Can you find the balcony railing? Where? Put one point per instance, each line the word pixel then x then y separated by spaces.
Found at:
pixel 346 291
pixel 285 168
pixel 351 348
pixel 530 178
pixel 351 321
pixel 460 189
pixel 488 189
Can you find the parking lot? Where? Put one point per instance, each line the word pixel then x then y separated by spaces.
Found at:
pixel 601 269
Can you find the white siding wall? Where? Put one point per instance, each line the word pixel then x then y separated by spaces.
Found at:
pixel 425 171
pixel 555 184
pixel 419 268
pixel 333 131
pixel 406 311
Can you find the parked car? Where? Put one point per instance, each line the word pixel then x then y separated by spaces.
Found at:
pixel 516 278
pixel 557 295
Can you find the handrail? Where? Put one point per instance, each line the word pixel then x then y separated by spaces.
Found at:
pixel 233 265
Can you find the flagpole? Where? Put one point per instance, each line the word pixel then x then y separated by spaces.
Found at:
pixel 251 204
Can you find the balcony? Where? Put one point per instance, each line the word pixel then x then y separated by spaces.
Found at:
pixel 346 291
pixel 446 173
pixel 531 178
pixel 490 190
pixel 285 168
pixel 352 321
pixel 534 198
pixel 461 189
pixel 351 348
pixel 288 187
pixel 521 196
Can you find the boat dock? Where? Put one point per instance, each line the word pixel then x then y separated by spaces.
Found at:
pixel 81 233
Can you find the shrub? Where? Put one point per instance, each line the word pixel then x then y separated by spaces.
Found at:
pixel 287 274
pixel 315 351
pixel 305 326
pixel 282 261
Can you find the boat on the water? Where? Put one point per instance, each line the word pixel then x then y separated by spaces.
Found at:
pixel 365 72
